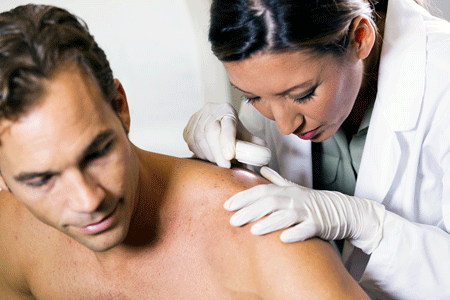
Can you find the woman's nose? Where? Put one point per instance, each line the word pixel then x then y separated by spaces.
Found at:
pixel 287 117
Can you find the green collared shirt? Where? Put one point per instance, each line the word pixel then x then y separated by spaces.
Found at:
pixel 336 161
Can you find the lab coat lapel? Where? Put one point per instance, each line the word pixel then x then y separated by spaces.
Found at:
pixel 379 161
pixel 401 84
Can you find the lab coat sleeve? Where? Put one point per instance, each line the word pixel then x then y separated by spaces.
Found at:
pixel 413 260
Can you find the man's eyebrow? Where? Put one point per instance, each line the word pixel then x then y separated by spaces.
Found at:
pixel 306 84
pixel 92 147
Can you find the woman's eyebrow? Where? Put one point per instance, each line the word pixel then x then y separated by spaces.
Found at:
pixel 239 88
pixel 307 84
pixel 303 85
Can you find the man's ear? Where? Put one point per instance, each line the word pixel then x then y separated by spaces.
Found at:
pixel 122 105
pixel 3 184
pixel 362 36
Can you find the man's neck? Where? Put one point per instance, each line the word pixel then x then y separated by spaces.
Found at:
pixel 143 231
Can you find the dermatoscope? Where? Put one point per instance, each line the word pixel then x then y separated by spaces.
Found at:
pixel 252 154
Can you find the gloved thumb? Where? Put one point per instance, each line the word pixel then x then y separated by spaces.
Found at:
pixel 228 136
pixel 274 177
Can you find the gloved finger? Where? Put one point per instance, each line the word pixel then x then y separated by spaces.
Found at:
pixel 228 136
pixel 212 135
pixel 274 177
pixel 254 211
pixel 190 127
pixel 188 135
pixel 195 131
pixel 194 135
pixel 204 151
pixel 300 232
pixel 247 197
pixel 277 220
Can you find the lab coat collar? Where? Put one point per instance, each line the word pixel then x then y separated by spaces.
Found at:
pixel 401 79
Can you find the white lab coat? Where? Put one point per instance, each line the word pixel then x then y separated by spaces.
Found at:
pixel 406 159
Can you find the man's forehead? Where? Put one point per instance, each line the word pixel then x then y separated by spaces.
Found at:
pixel 72 111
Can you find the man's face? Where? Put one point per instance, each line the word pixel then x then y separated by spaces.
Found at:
pixel 70 163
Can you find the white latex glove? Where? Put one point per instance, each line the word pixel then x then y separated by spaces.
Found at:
pixel 211 133
pixel 328 215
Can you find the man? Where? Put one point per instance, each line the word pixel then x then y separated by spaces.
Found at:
pixel 84 214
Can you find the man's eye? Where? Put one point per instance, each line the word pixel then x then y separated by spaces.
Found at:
pixel 40 181
pixel 100 153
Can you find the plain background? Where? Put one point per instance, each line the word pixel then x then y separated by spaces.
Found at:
pixel 159 50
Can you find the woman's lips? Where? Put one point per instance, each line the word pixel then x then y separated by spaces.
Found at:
pixel 309 135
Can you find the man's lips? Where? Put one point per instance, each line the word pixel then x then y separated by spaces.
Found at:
pixel 101 225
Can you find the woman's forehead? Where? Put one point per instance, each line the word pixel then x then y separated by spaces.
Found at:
pixel 280 69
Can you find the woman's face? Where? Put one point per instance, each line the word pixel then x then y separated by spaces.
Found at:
pixel 306 95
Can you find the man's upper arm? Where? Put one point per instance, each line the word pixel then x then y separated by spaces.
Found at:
pixel 302 270
pixel 12 279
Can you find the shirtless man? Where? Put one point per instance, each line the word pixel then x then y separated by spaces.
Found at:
pixel 90 216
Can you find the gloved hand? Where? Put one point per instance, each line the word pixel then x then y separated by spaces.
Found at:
pixel 328 215
pixel 211 133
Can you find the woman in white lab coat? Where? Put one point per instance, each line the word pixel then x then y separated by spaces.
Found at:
pixel 369 84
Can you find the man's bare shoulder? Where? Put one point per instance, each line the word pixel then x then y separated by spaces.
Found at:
pixel 259 264
pixel 233 180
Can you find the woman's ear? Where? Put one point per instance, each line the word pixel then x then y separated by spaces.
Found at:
pixel 122 105
pixel 362 36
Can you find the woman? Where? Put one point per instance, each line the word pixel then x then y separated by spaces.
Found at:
pixel 352 98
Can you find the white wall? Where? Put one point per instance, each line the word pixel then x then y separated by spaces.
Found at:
pixel 158 49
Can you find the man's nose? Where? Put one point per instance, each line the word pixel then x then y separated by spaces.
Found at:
pixel 86 194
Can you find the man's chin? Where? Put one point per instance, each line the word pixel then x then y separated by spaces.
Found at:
pixel 104 241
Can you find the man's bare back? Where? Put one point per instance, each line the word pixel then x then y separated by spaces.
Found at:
pixel 179 246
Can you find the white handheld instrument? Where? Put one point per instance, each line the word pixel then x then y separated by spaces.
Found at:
pixel 252 154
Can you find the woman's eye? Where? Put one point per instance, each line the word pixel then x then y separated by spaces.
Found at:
pixel 250 100
pixel 306 97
